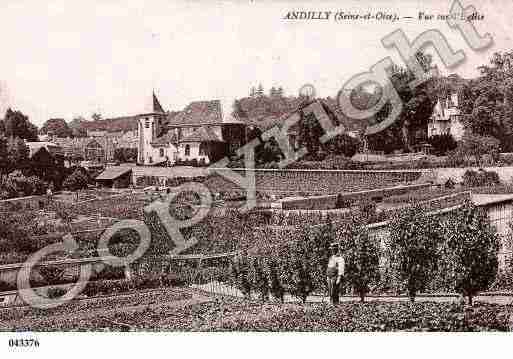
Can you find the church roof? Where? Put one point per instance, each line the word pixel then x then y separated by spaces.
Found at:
pixel 198 113
pixel 166 138
pixel 202 134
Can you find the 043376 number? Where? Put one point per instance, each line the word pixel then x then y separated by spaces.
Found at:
pixel 23 343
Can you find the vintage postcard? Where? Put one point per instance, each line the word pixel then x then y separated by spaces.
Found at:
pixel 254 166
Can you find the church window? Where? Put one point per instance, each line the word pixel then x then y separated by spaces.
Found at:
pixel 161 152
pixel 187 150
pixel 146 123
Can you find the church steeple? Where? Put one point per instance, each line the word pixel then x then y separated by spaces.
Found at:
pixel 157 108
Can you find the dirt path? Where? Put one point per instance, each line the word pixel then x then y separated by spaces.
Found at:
pixel 218 288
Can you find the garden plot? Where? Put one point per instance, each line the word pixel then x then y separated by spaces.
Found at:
pixel 200 313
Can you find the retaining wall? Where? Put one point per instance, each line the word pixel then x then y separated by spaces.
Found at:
pixel 288 181
pixel 330 201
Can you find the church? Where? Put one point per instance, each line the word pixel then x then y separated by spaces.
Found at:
pixel 198 135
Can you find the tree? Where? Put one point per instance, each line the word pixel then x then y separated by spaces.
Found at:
pixel 18 125
pixel 56 127
pixel 46 166
pixel 474 147
pixel 442 143
pixel 77 127
pixel 4 157
pixel 17 185
pixel 362 256
pixel 275 285
pixel 17 154
pixel 416 110
pixel 414 242
pixel 125 154
pixel 76 181
pixel 342 144
pixel 96 116
pixel 473 245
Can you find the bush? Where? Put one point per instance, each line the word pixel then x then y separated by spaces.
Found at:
pixel 474 148
pixel 56 292
pixel 77 180
pixel 361 258
pixel 480 178
pixel 343 202
pixel 106 287
pixel 52 274
pixel 367 209
pixel 442 143
pixel 17 185
pixel 414 243
pixel 474 246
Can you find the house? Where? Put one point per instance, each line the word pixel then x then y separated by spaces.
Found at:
pixel 446 118
pixel 196 135
pixel 51 147
pixel 100 146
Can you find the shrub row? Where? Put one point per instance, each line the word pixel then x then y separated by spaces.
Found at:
pixel 455 252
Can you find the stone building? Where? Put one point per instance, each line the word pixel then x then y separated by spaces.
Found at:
pixel 446 118
pixel 197 134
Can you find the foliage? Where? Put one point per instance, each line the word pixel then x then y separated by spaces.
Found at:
pixel 415 113
pixel 480 178
pixel 17 185
pixel 237 315
pixel 125 155
pixel 77 180
pixel 18 125
pixel 17 231
pixel 56 292
pixel 414 244
pixel 474 147
pixel 52 274
pixel 367 209
pixel 442 143
pixel 361 256
pixel 56 127
pixel 474 246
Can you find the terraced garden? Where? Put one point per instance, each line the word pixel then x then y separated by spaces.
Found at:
pixel 310 182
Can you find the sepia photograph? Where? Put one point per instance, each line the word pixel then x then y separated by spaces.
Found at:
pixel 253 166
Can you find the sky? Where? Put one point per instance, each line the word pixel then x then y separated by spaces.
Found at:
pixel 73 58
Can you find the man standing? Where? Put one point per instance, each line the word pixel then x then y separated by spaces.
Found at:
pixel 335 272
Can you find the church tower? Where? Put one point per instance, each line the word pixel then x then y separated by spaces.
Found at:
pixel 149 127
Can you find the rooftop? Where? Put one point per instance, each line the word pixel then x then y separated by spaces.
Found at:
pixel 202 134
pixel 114 172
pixel 197 113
